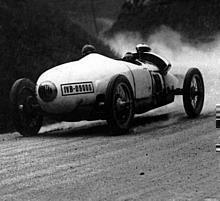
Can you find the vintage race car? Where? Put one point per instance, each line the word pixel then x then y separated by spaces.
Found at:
pixel 97 87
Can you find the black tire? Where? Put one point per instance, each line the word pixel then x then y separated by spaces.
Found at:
pixel 26 120
pixel 193 92
pixel 119 104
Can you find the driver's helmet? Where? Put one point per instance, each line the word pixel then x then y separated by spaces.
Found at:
pixel 87 49
pixel 128 57
pixel 143 48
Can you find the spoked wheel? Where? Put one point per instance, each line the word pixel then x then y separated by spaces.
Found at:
pixel 193 92
pixel 26 119
pixel 119 104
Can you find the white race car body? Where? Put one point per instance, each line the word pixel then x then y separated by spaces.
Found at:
pixel 82 84
pixel 97 87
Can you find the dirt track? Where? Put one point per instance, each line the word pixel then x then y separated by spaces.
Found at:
pixel 164 157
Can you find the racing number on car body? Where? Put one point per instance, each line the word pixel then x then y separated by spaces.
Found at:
pixel 77 88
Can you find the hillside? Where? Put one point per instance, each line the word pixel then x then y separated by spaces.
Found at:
pixel 83 12
pixel 35 36
pixel 197 20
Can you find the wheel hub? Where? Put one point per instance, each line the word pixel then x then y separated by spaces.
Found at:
pixel 122 103
pixel 194 92
pixel 21 107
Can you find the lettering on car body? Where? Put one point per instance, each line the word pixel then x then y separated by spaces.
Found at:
pixel 77 88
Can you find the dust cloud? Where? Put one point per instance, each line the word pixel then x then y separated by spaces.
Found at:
pixel 182 56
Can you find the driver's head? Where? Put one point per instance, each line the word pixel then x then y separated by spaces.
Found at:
pixel 128 56
pixel 87 49
pixel 143 48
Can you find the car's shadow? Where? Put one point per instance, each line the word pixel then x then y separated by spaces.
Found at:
pixel 101 129
pixel 94 129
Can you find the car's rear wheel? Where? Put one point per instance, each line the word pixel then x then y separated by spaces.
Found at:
pixel 193 92
pixel 26 119
pixel 119 104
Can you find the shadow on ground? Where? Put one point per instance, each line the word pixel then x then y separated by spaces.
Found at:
pixel 94 129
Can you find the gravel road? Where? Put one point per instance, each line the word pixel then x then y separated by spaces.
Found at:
pixel 166 156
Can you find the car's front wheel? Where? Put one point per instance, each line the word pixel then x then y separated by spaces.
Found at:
pixel 26 119
pixel 119 104
pixel 193 92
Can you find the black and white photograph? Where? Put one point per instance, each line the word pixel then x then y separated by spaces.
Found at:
pixel 110 100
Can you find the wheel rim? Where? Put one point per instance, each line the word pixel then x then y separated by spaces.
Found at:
pixel 122 103
pixel 196 91
pixel 26 115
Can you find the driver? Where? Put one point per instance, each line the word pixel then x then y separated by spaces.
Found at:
pixel 129 57
pixel 141 49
